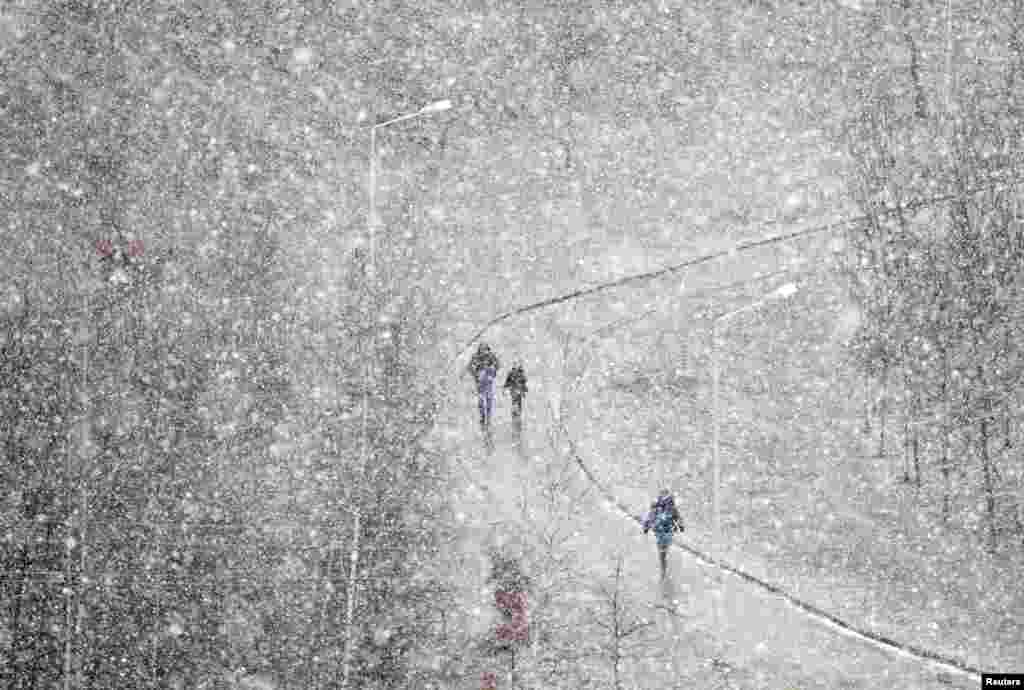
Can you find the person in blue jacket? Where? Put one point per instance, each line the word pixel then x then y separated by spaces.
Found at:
pixel 664 519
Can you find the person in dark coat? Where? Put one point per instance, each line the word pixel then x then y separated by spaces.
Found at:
pixel 483 367
pixel 482 358
pixel 515 384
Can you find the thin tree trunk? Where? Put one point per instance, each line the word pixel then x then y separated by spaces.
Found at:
pixel 84 439
pixel 69 598
pixel 1006 402
pixel 80 610
pixel 357 527
pixel 946 440
pixel 949 56
pixel 38 636
pixel 989 485
pixel 883 409
pixel 867 405
pixel 616 632
pixel 15 647
pixel 916 440
pixel 315 675
pixel 920 104
pixel 1017 45
pixel 350 591
pixel 908 423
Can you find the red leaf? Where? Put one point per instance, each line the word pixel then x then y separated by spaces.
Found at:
pixel 510 602
pixel 104 247
pixel 517 631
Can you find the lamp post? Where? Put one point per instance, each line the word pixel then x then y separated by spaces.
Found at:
pixel 435 107
pixel 787 290
pixel 353 572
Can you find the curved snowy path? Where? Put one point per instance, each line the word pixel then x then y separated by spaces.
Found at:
pixel 758 639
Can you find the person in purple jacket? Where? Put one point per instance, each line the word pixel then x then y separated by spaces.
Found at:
pixel 483 367
pixel 485 395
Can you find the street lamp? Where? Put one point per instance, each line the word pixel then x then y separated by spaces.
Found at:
pixel 783 292
pixel 435 107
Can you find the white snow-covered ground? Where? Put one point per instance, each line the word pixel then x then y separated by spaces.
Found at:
pixel 759 640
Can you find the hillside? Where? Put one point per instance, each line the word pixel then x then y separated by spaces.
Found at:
pixel 798 513
pixel 804 502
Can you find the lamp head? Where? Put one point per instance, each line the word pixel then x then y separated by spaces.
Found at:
pixel 436 106
pixel 787 290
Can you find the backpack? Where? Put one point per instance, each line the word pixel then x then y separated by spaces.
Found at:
pixel 665 512
pixel 663 521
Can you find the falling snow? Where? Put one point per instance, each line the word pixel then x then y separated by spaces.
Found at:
pixel 765 256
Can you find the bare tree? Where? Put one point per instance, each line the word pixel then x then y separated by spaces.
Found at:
pixel 920 102
pixel 620 624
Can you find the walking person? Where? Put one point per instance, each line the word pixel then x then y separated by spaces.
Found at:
pixel 664 519
pixel 515 386
pixel 485 395
pixel 483 367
